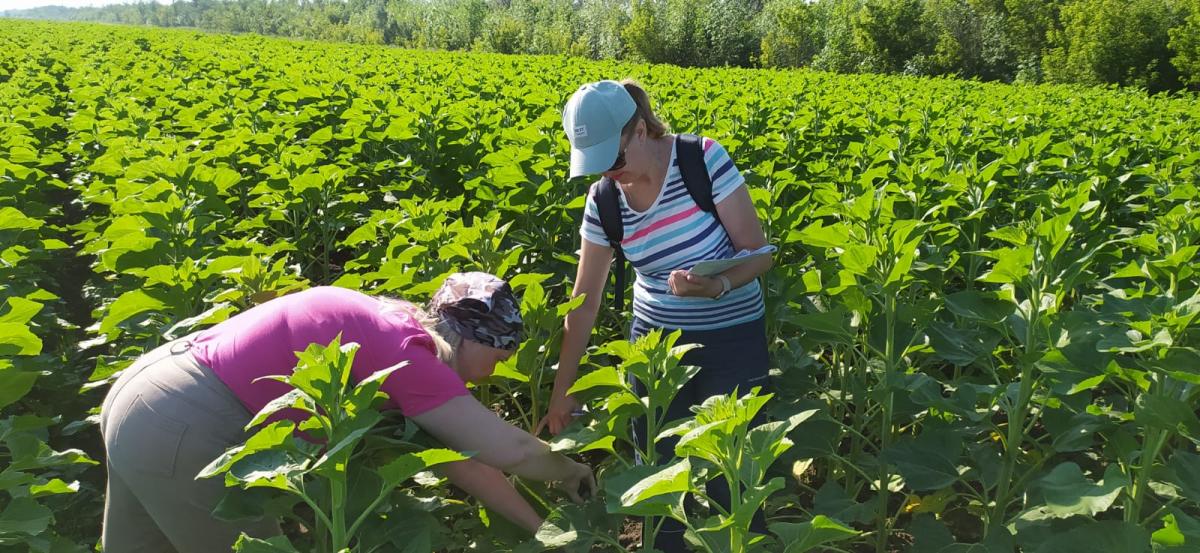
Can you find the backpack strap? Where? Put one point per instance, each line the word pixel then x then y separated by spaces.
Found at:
pixel 689 151
pixel 608 203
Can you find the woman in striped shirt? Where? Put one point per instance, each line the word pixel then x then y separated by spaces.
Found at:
pixel 613 132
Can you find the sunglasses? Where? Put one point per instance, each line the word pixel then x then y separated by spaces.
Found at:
pixel 627 131
pixel 620 162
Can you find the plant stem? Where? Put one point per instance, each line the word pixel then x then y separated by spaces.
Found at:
pixel 1156 440
pixel 854 468
pixel 1016 419
pixel 337 493
pixel 323 521
pixel 885 437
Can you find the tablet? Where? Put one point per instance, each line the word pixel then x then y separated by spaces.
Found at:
pixel 712 267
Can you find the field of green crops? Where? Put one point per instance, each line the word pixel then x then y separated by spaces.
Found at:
pixel 984 312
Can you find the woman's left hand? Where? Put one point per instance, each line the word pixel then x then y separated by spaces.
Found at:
pixel 684 283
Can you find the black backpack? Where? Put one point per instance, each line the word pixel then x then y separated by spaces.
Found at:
pixel 689 154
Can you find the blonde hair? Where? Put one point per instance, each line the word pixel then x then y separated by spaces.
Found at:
pixel 446 340
pixel 654 126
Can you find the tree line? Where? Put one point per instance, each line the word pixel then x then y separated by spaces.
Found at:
pixel 1153 44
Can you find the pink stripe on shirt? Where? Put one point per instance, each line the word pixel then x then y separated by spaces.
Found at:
pixel 662 223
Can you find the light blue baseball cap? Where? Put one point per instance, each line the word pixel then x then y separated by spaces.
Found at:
pixel 593 119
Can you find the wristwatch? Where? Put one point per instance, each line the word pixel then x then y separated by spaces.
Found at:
pixel 725 287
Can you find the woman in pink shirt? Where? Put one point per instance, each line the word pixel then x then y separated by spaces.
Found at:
pixel 180 406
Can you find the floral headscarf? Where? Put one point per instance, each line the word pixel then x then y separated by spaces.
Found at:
pixel 481 308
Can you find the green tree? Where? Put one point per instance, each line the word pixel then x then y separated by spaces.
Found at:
pixel 1185 43
pixel 680 30
pixel 969 40
pixel 643 35
pixel 1027 26
pixel 550 27
pixel 791 34
pixel 727 34
pixel 601 22
pixel 840 53
pixel 890 33
pixel 503 32
pixel 1113 42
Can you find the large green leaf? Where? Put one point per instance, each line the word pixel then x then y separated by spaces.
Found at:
pixel 323 371
pixel 617 485
pixel 14 384
pixel 927 462
pixel 929 534
pixel 833 236
pixel 606 377
pixel 409 464
pixel 700 440
pixel 1167 413
pixel 1072 431
pixel 834 325
pixel 293 399
pixel 17 339
pixel 962 346
pixel 805 536
pixel 1185 471
pixel 24 516
pixel 858 259
pixel 240 505
pixel 12 219
pixel 979 306
pixel 20 311
pixel 1094 537
pixel 408 528
pixel 574 528
pixel 674 478
pixel 584 438
pixel 55 486
pixel 273 468
pixel 1066 492
pixel 271 436
pixel 1011 267
pixel 129 304
pixel 767 442
pixel 833 501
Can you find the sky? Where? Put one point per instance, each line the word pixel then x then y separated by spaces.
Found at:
pixel 23 4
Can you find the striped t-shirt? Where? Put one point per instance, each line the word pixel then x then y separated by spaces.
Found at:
pixel 674 233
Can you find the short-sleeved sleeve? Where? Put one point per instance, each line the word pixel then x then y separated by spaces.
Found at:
pixel 591 230
pixel 724 174
pixel 425 382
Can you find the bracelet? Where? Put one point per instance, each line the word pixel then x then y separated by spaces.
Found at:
pixel 725 287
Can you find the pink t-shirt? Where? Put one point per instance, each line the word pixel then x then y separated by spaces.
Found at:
pixel 262 341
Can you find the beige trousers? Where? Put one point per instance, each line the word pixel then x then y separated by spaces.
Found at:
pixel 164 420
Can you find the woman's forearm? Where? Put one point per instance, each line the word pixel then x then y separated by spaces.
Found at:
pixel 494 491
pixel 746 273
pixel 540 463
pixel 464 424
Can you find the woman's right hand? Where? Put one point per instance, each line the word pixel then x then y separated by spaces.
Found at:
pixel 580 485
pixel 559 415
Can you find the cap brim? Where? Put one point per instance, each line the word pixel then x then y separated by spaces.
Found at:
pixel 595 159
